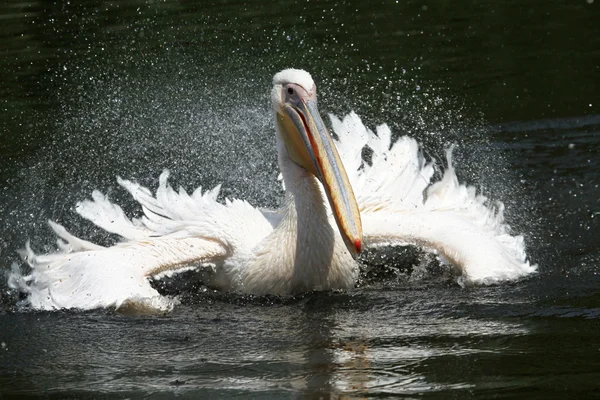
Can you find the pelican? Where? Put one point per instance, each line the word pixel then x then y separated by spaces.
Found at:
pixel 336 205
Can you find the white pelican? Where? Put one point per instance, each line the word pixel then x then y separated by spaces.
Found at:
pixel 335 207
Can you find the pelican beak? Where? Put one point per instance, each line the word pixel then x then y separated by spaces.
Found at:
pixel 311 146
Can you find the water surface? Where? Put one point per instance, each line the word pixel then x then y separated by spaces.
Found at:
pixel 93 89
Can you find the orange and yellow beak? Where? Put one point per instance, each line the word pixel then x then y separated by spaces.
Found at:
pixel 310 145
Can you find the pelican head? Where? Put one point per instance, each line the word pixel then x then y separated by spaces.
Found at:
pixel 309 145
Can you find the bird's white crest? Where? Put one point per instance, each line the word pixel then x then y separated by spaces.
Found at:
pixel 297 76
pixel 294 249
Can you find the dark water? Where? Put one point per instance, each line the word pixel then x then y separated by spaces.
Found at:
pixel 91 90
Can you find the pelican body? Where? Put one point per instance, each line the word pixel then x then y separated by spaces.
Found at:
pixel 336 204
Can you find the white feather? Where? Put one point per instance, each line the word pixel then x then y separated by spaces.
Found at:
pixel 84 275
pixel 452 221
pixel 298 248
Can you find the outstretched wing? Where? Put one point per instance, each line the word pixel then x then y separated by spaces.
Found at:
pixel 176 233
pixel 400 206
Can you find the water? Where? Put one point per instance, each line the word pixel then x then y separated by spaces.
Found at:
pixel 93 90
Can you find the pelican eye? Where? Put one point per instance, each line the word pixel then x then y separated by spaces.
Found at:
pixel 290 90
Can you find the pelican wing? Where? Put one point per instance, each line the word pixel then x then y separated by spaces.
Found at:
pixel 177 232
pixel 396 176
pixel 400 206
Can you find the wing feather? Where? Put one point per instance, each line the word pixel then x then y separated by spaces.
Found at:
pixel 399 205
pixel 177 232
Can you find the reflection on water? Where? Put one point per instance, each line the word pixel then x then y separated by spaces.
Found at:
pixel 325 343
pixel 416 340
